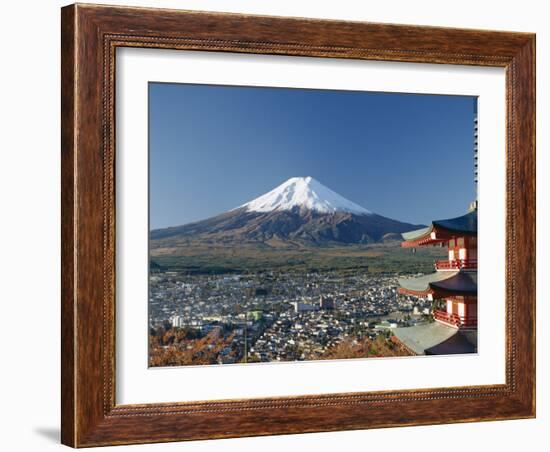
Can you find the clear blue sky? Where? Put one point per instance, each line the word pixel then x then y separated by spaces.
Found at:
pixel 213 148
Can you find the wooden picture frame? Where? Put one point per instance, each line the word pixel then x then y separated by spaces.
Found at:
pixel 90 36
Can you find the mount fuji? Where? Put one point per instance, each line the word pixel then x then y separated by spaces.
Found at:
pixel 303 193
pixel 299 212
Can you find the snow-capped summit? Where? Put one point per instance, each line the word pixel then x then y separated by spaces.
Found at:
pixel 299 212
pixel 306 193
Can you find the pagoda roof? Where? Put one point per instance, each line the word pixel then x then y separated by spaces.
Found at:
pixel 437 339
pixel 441 283
pixel 417 233
pixel 442 230
pixel 465 224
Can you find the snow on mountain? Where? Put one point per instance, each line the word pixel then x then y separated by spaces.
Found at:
pixel 303 192
pixel 300 212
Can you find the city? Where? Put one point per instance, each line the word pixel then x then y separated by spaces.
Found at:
pixel 277 316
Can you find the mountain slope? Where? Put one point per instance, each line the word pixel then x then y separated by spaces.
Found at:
pixel 299 211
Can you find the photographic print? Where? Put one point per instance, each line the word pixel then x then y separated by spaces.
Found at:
pixel 288 207
pixel 292 224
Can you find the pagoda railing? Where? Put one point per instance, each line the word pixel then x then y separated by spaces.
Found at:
pixel 456 264
pixel 458 321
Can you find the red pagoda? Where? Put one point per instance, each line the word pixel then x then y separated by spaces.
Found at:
pixel 453 286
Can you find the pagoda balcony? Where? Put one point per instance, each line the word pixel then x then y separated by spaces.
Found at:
pixel 456 264
pixel 455 320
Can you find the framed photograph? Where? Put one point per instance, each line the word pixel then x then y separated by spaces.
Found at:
pixel 281 225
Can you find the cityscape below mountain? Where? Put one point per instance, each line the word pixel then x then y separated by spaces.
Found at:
pixel 298 273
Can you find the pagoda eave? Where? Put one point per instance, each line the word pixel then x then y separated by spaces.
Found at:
pixel 442 231
pixel 416 293
pixel 436 293
pixel 434 236
pixel 441 284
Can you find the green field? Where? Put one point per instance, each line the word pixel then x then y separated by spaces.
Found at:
pixel 214 258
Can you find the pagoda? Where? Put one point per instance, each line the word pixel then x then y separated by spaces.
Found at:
pixel 453 285
pixel 452 288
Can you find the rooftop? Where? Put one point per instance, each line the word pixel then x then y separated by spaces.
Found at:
pixel 437 339
pixel 442 230
pixel 443 283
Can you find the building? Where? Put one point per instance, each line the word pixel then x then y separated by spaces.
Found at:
pixel 177 321
pixel 453 286
pixel 326 302
pixel 304 307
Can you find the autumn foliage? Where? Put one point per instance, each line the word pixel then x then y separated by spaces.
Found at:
pixel 381 346
pixel 180 347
